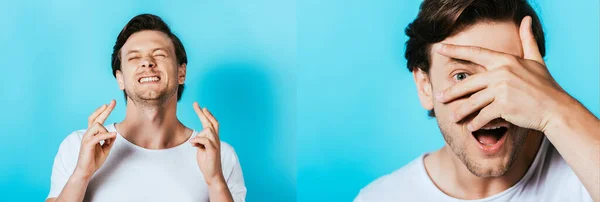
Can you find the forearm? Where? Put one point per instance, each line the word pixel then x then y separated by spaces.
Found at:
pixel 575 133
pixel 219 192
pixel 74 190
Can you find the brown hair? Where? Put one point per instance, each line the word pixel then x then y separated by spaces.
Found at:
pixel 439 19
pixel 141 23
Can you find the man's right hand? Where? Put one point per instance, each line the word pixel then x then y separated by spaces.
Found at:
pixel 92 154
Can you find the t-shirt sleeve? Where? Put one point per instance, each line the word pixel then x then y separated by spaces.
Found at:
pixel 359 198
pixel 585 195
pixel 232 171
pixel 64 163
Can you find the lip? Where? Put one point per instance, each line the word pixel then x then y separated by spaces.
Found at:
pixel 496 123
pixel 493 149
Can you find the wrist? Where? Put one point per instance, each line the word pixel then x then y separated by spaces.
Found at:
pixel 562 115
pixel 217 182
pixel 80 176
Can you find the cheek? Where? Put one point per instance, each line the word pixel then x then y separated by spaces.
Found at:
pixel 127 75
pixel 169 68
pixel 438 85
pixel 446 110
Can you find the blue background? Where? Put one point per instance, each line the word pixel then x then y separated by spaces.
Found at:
pixel 314 95
pixel 359 116
pixel 55 62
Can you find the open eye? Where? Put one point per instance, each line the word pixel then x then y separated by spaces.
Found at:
pixel 460 76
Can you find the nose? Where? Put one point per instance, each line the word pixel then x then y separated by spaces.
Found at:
pixel 148 62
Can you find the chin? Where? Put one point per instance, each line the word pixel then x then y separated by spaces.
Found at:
pixel 156 95
pixel 482 164
pixel 489 169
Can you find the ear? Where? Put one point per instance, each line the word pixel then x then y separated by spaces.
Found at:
pixel 120 80
pixel 423 88
pixel 182 71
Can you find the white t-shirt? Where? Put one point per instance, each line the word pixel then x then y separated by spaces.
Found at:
pixel 133 173
pixel 549 178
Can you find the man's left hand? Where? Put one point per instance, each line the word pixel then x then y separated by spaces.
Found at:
pixel 519 90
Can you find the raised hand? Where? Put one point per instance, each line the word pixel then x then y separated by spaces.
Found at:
pixel 92 153
pixel 517 89
pixel 209 147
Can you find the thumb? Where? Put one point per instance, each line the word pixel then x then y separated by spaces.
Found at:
pixel 530 47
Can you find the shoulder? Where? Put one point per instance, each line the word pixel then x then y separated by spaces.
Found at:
pixel 68 153
pixel 394 185
pixel 556 174
pixel 72 141
pixel 550 174
pixel 226 148
pixel 228 155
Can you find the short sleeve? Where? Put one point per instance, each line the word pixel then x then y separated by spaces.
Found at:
pixel 232 171
pixel 359 198
pixel 64 163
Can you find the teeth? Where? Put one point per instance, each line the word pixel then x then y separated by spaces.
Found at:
pixel 149 79
pixel 491 127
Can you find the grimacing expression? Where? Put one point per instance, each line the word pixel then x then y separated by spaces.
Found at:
pixel 149 70
pixel 486 153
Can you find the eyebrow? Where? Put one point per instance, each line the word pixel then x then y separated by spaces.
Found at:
pixel 460 62
pixel 153 50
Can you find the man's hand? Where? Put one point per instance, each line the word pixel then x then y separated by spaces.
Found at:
pixel 93 154
pixel 209 147
pixel 208 156
pixel 519 90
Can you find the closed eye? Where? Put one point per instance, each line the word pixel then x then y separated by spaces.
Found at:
pixel 133 58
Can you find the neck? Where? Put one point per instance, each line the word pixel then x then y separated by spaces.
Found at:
pixel 453 178
pixel 153 125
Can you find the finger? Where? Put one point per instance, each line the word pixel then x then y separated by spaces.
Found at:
pixel 486 115
pixel 476 102
pixel 103 136
pixel 108 143
pixel 92 117
pixel 208 133
pixel 470 85
pixel 102 117
pixel 478 55
pixel 200 142
pixel 212 120
pixel 95 129
pixel 205 122
pixel 531 50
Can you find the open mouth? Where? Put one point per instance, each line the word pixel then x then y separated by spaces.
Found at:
pixel 149 79
pixel 491 137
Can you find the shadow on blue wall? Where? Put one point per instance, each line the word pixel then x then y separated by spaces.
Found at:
pixel 242 96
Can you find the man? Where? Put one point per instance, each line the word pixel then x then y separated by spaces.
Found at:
pixel 145 157
pixel 512 133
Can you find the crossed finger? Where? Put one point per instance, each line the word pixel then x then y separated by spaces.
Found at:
pixel 101 113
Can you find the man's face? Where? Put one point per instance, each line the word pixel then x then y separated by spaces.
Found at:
pixel 486 153
pixel 149 69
